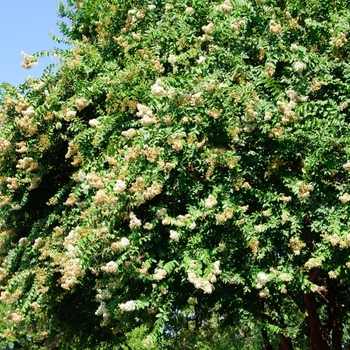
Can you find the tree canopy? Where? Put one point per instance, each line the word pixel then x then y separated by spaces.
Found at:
pixel 181 177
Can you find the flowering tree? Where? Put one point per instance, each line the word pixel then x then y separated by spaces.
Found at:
pixel 186 167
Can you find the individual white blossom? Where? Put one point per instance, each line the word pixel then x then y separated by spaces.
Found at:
pixel 346 166
pixel 29 61
pixel 29 112
pixel 237 25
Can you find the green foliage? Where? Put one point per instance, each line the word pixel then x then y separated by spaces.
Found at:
pixel 181 180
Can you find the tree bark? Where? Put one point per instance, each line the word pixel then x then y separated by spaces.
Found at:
pixel 285 343
pixel 267 344
pixel 337 332
pixel 316 339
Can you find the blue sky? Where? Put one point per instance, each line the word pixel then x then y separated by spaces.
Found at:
pixel 25 26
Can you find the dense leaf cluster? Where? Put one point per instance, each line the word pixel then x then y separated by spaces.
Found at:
pixel 186 169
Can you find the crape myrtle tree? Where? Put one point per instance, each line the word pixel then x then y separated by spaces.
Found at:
pixel 181 178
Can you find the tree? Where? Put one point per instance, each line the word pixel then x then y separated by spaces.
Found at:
pixel 185 169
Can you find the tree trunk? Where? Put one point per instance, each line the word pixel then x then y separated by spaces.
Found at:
pixel 267 344
pixel 285 343
pixel 337 331
pixel 316 339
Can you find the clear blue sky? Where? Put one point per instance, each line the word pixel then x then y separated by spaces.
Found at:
pixel 25 26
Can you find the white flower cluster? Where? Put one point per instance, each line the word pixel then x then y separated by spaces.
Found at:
pixel 332 274
pixel 70 115
pixel 285 277
pixel 12 183
pixel 346 166
pixel 70 272
pixel 237 25
pixel 38 243
pixel 210 202
pixel 146 115
pixel 340 40
pixel 200 283
pixel 81 103
pixel 316 288
pixel 261 279
pixel 102 311
pixel 345 198
pixel 216 266
pixel 304 190
pixel 94 122
pixel 119 187
pixel 294 48
pixel 134 222
pixel 159 274
pixel 39 86
pixel 102 294
pixel 201 59
pixel 29 61
pixel 29 112
pixel 129 133
pixel 275 28
pixel 128 306
pixel 174 235
pixel 299 66
pixel 312 262
pixel 157 88
pixel 110 267
pixel 208 29
pixel 226 6
pixel 124 242
pixel 5 145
